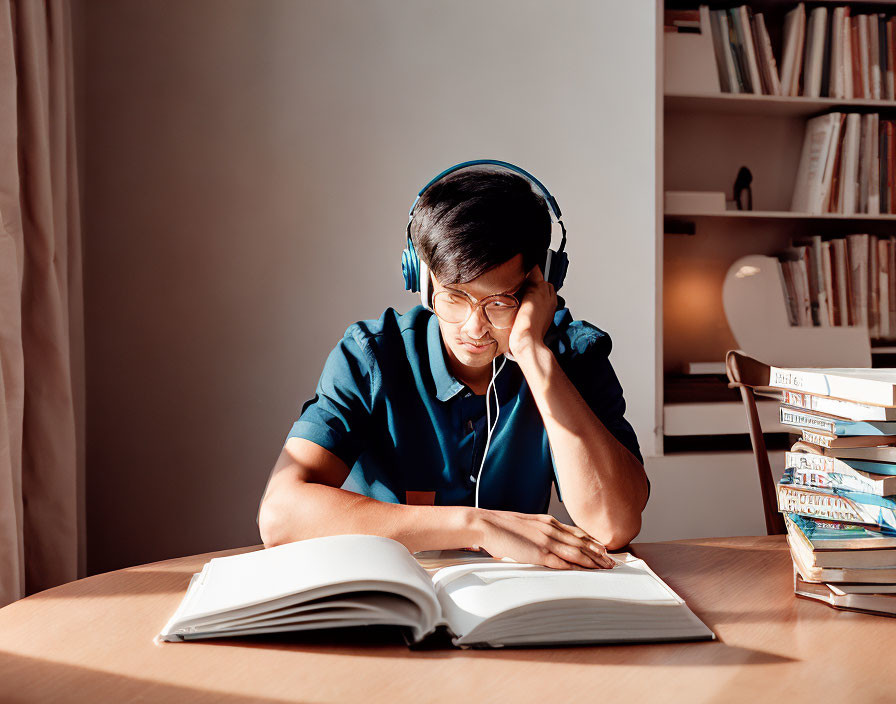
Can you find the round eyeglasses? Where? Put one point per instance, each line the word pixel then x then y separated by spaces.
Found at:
pixel 456 308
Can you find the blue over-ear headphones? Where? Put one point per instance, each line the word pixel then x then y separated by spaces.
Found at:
pixel 416 274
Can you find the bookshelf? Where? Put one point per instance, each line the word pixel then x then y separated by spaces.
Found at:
pixel 703 140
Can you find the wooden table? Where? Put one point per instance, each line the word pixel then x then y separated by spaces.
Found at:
pixel 92 640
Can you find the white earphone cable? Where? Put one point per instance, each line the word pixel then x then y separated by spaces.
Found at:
pixel 488 420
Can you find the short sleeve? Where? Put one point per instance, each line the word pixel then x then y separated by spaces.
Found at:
pixel 592 374
pixel 338 416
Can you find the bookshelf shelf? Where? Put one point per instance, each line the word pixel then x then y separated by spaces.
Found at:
pixel 770 105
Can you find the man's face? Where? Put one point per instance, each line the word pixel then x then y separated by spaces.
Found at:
pixel 476 342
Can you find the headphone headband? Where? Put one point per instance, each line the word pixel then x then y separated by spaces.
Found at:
pixel 551 201
pixel 416 275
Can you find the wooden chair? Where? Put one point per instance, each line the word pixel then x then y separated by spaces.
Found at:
pixel 746 374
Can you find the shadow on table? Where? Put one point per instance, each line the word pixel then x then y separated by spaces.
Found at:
pixel 387 641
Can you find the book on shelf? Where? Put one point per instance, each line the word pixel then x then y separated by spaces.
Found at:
pixel 829 472
pixel 841 596
pixel 359 580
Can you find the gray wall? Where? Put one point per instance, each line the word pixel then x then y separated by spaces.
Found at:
pixel 248 167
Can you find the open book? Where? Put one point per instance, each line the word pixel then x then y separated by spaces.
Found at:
pixel 354 580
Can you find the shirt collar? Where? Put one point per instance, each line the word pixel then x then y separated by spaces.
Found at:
pixel 447 387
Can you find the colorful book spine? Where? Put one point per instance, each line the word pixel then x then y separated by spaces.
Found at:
pixel 833 535
pixel 831 473
pixel 835 504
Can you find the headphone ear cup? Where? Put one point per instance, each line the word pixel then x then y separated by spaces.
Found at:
pixel 425 284
pixel 410 268
pixel 555 266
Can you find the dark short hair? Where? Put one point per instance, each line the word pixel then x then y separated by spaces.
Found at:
pixel 476 219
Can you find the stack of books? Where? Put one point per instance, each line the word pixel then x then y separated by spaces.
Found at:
pixel 838 490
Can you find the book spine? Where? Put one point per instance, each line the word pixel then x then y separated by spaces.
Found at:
pixel 874 174
pixel 743 79
pixel 805 420
pixel 822 504
pixel 817 438
pixel 891 48
pixel 874 55
pixel 869 391
pixel 845 409
pixel 828 473
pixel 891 283
pixel 719 50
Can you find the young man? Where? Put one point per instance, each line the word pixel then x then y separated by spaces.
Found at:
pixel 396 440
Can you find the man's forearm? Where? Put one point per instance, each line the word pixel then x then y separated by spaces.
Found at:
pixel 307 510
pixel 603 485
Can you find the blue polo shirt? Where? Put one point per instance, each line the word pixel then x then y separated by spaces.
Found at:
pixel 387 405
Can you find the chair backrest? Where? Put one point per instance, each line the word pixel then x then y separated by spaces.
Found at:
pixel 747 373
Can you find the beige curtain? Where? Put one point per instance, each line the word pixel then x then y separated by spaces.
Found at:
pixel 41 320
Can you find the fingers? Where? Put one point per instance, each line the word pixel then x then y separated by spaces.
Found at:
pixel 583 555
pixel 578 546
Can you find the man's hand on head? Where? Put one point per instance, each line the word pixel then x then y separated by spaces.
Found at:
pixel 538 304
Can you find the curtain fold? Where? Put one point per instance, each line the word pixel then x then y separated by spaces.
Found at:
pixel 41 319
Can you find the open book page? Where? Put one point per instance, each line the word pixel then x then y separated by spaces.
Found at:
pixel 501 602
pixel 332 581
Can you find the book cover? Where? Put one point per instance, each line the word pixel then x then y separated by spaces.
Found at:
pixel 819 139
